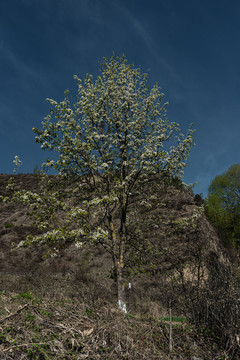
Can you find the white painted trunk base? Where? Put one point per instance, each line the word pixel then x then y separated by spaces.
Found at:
pixel 122 306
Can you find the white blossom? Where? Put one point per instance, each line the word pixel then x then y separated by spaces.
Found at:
pixel 17 162
pixel 114 137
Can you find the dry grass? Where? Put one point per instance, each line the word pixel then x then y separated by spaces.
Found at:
pixel 67 311
pixel 42 328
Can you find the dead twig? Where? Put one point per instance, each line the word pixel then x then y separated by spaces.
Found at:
pixel 22 345
pixel 13 314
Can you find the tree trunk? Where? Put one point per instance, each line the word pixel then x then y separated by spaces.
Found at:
pixel 122 241
pixel 118 264
pixel 121 287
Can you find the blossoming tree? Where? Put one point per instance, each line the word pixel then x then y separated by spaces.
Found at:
pixel 108 144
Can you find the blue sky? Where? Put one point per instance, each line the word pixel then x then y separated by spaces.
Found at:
pixel 192 49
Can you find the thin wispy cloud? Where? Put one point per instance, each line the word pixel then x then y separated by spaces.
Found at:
pixel 17 63
pixel 147 39
pixel 43 43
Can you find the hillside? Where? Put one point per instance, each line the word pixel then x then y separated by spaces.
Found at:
pixel 65 307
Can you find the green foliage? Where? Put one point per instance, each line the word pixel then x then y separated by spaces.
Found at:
pixel 174 318
pixel 223 204
pixel 27 295
pixel 199 200
pixel 89 311
pixel 8 225
pixel 29 317
pixel 36 351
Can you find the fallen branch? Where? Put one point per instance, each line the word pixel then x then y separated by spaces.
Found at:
pixel 13 314
pixel 22 345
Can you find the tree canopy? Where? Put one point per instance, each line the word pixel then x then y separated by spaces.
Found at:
pixel 117 123
pixel 110 143
pixel 223 204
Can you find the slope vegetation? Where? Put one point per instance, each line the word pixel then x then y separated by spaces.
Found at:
pixel 65 307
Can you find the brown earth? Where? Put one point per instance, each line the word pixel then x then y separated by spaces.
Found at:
pixel 77 289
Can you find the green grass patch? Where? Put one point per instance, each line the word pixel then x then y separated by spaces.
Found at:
pixel 27 295
pixel 174 318
pixel 8 225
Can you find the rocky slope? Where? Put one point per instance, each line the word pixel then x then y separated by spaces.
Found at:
pixel 190 267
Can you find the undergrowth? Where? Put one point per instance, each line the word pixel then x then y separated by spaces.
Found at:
pixel 40 328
